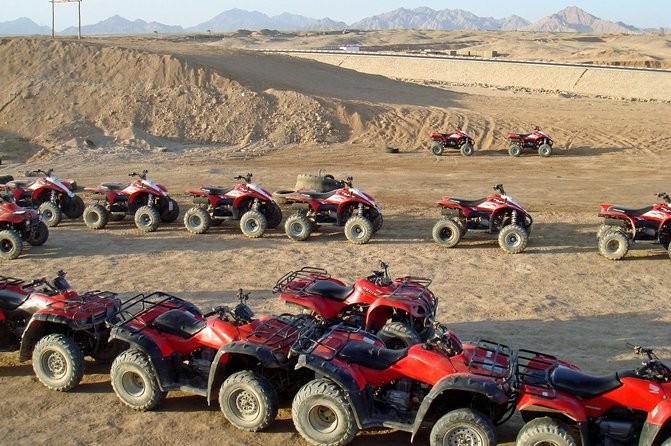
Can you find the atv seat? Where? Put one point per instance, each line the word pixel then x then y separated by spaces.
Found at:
pixel 317 195
pixel 179 323
pixel 110 187
pixel 20 183
pixel 377 358
pixel 216 190
pixel 11 300
pixel 583 385
pixel 628 211
pixel 330 290
pixel 468 203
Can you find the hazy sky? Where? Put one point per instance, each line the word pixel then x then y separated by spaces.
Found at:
pixel 642 13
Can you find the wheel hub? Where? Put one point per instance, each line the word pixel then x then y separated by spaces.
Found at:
pixel 323 419
pixel 462 436
pixel 247 404
pixel 133 384
pixel 55 364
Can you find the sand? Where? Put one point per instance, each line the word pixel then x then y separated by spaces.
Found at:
pixel 150 103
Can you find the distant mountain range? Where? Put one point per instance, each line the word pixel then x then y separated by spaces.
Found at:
pixel 571 19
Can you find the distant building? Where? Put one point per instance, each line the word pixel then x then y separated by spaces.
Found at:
pixel 350 48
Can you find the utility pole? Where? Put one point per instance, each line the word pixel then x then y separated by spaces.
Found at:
pixel 53 16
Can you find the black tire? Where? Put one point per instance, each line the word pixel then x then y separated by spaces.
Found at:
pixel 391 149
pixel 197 220
pixel 322 414
pixel 4 179
pixel 466 149
pixel 463 426
pixel 253 224
pixel 310 182
pixel 280 196
pixel 437 148
pixel 545 431
pixel 358 230
pixel 446 233
pixel 273 215
pixel 614 245
pixel 298 227
pixel 58 362
pixel 398 335
pixel 147 219
pixel 134 381
pixel 50 213
pixel 514 149
pixel 116 216
pixel 461 224
pixel 248 401
pixel 108 351
pixel 545 150
pixel 95 216
pixel 72 207
pixel 377 222
pixel 41 235
pixel 513 239
pixel 11 244
pixel 169 216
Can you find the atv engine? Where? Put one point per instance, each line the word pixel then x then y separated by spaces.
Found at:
pixel 404 395
pixel 613 432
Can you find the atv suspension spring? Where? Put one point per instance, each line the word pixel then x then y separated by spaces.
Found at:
pixel 255 205
pixel 52 196
pixel 513 219
pixel 360 209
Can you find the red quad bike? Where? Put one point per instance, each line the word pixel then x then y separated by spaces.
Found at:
pixel 536 140
pixel 57 327
pixel 49 195
pixel 563 406
pixel 496 213
pixel 246 201
pixel 458 391
pixel 401 311
pixel 148 203
pixel 18 224
pixel 346 206
pixel 623 226
pixel 175 347
pixel 458 140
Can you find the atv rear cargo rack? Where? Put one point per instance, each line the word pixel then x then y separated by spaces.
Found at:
pixel 137 308
pixel 532 369
pixel 91 308
pixel 308 342
pixel 491 359
pixel 308 273
pixel 280 332
pixel 6 281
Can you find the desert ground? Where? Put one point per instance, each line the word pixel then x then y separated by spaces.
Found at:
pixel 200 111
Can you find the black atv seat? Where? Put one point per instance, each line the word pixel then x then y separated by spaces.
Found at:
pixel 216 190
pixel 317 195
pixel 11 300
pixel 628 211
pixel 330 290
pixel 583 385
pixel 468 203
pixel 113 186
pixel 377 358
pixel 179 323
pixel 20 183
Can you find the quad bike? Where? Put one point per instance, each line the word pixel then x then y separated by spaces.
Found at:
pixel 536 140
pixel 346 206
pixel 175 347
pixel 148 203
pixel 401 311
pixel 18 224
pixel 497 213
pixel 564 406
pixel 458 140
pixel 460 390
pixel 56 327
pixel 246 201
pixel 623 226
pixel 49 195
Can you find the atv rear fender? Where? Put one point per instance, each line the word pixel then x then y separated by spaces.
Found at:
pixel 457 391
pixel 562 404
pixel 322 306
pixel 383 308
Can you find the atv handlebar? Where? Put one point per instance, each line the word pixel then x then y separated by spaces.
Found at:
pixel 652 368
pixel 381 277
pixel 499 188
pixel 47 172
pixel 247 178
pixel 664 196
pixel 142 175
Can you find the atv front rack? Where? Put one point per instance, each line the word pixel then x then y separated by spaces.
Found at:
pixel 139 309
pixel 532 370
pixel 279 333
pixel 308 274
pixel 491 359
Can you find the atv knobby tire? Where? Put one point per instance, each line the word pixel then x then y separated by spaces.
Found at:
pixel 253 224
pixel 147 219
pixel 322 414
pixel 11 244
pixel 447 233
pixel 167 215
pixel 280 196
pixel 513 239
pixel 72 207
pixel 313 182
pixel 50 213
pixel 377 222
pixel 463 426
pixel 41 235
pixel 134 381
pixel 614 245
pixel 545 430
pixel 58 362
pixel 298 227
pixel 359 230
pixel 197 220
pixel 437 148
pixel 397 335
pixel 545 150
pixel 248 401
pixel 96 216
pixel 466 149
pixel 514 150
pixel 273 214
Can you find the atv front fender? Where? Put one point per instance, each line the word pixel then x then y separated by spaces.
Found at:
pixel 658 418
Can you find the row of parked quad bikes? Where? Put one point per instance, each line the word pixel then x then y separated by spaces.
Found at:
pixel 356 357
pixel 537 141
pixel 29 206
